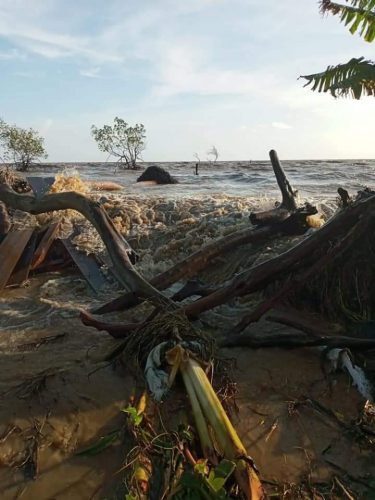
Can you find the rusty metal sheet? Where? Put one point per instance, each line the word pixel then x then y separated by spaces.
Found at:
pixel 11 250
pixel 22 269
pixel 45 244
pixel 88 266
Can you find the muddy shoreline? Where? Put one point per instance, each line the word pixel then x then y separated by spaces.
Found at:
pixel 58 396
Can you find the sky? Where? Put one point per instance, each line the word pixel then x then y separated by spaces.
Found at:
pixel 196 73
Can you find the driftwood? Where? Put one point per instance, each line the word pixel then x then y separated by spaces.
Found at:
pixel 297 340
pixel 301 255
pixel 295 282
pixel 192 264
pixel 288 204
pixel 293 221
pixel 116 245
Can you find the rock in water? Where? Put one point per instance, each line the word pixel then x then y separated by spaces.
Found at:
pixel 157 174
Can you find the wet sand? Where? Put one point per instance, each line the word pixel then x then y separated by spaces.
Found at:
pixel 54 401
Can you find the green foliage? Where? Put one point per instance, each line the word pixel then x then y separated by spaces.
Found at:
pixel 102 444
pixel 121 141
pixel 20 146
pixel 205 483
pixel 135 417
pixel 355 78
pixel 359 16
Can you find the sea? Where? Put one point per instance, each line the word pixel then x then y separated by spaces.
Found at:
pixel 314 179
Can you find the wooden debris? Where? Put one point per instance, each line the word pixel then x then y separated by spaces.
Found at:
pixel 88 266
pixel 23 267
pixel 45 244
pixel 11 250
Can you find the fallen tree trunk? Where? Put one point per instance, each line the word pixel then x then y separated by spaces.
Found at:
pixel 305 253
pixel 288 204
pixel 293 341
pixel 116 245
pixel 307 323
pixel 295 282
pixel 192 265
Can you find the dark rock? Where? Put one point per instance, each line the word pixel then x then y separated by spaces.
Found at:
pixel 157 174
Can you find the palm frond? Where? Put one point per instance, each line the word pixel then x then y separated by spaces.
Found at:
pixel 359 16
pixel 353 79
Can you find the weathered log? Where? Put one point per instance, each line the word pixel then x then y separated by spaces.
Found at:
pixel 288 204
pixel 116 245
pixel 116 330
pixel 193 287
pixel 344 195
pixel 295 340
pixel 307 252
pixel 303 254
pixel 191 265
pixel 310 324
pixel 294 283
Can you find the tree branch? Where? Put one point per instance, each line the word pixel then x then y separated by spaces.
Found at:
pixel 116 245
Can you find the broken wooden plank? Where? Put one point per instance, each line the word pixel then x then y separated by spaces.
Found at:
pixel 22 269
pixel 88 266
pixel 11 250
pixel 40 185
pixel 57 259
pixel 45 244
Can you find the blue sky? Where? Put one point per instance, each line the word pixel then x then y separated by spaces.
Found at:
pixel 196 73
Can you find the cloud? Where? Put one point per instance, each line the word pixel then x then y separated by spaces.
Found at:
pixel 38 31
pixel 281 125
pixel 90 72
pixel 187 69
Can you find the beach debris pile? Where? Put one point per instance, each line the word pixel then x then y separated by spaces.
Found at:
pixel 319 287
pixel 33 250
pixel 27 252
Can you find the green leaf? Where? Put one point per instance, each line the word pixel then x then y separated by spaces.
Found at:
pixel 355 78
pixel 103 443
pixel 133 414
pixel 220 474
pixel 359 16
